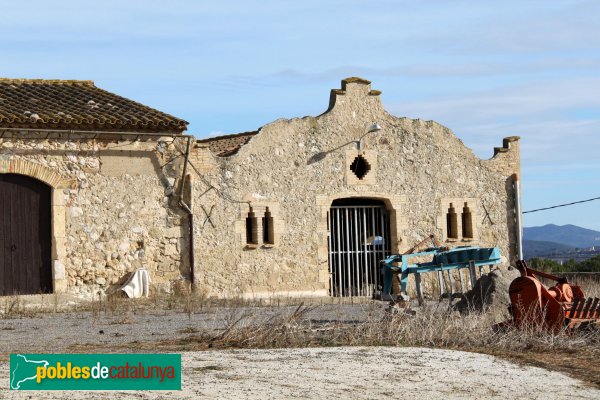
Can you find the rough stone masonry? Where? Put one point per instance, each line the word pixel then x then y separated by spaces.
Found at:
pixel 112 210
pixel 260 200
pixel 296 168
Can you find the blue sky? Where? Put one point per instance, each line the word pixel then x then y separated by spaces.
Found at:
pixel 485 69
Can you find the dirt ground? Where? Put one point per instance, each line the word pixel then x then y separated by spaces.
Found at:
pixel 348 372
pixel 114 331
pixel 339 372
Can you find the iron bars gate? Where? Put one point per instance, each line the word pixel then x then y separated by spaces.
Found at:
pixel 359 237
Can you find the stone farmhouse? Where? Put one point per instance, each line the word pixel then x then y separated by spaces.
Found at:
pixel 94 186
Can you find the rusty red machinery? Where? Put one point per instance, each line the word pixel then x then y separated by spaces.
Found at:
pixel 558 307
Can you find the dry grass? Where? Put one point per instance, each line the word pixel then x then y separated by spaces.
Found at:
pixel 12 307
pixel 431 327
pixel 589 285
pixel 574 353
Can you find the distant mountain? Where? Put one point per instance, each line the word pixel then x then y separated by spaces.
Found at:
pixel 569 235
pixel 534 248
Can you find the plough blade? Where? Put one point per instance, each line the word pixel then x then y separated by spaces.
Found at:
pixel 557 307
pixel 585 309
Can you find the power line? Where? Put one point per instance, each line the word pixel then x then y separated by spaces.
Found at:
pixel 561 205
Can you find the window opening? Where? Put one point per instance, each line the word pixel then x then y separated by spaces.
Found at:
pixel 360 167
pixel 467 222
pixel 268 229
pixel 451 223
pixel 251 228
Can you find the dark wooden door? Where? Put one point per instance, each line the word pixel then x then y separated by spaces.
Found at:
pixel 25 238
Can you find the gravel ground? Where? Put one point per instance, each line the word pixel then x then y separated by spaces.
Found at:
pixel 348 373
pixel 61 331
pixel 361 373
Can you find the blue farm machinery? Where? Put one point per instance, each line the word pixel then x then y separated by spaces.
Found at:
pixel 441 260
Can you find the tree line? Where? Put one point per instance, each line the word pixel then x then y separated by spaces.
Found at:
pixel 543 264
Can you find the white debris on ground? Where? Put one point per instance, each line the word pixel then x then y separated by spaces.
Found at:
pixel 348 373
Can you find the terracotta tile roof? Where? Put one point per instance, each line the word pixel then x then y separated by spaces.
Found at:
pixel 224 146
pixel 77 105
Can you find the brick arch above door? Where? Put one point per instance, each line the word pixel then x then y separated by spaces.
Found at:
pixel 33 170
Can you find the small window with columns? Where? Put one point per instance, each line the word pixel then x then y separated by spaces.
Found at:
pixel 251 228
pixel 467 222
pixel 451 223
pixel 457 219
pixel 261 227
pixel 268 228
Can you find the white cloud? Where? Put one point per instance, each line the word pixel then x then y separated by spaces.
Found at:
pixel 214 134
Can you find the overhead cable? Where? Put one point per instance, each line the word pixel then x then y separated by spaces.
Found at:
pixel 561 205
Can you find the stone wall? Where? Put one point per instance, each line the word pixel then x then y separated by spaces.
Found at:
pixel 114 206
pixel 297 167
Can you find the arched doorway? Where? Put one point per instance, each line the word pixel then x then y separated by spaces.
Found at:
pixel 25 236
pixel 359 237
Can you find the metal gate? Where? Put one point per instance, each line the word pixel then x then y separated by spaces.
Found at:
pixel 25 238
pixel 359 237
